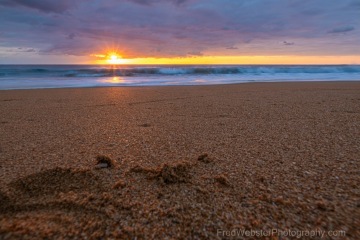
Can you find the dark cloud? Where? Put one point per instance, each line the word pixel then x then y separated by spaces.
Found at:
pixel 21 50
pixel 355 4
pixel 195 53
pixel 56 6
pixel 71 36
pixel 30 50
pixel 342 29
pixel 151 2
pixel 288 43
pixel 232 48
pixel 311 12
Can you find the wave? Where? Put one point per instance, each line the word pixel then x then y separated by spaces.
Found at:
pixel 129 71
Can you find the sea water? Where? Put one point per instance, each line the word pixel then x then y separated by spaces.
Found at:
pixel 61 76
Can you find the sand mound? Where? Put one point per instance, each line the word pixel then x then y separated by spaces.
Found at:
pixel 168 173
pixel 4 200
pixel 104 162
pixel 177 173
pixel 56 180
pixel 223 180
pixel 204 158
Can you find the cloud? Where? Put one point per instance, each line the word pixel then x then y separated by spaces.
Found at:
pixel 195 53
pixel 55 6
pixel 288 43
pixel 354 4
pixel 30 50
pixel 342 29
pixel 71 36
pixel 178 28
pixel 151 2
pixel 20 50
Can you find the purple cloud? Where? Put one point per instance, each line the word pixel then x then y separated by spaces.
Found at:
pixel 44 6
pixel 179 28
pixel 288 43
pixel 151 2
pixel 342 29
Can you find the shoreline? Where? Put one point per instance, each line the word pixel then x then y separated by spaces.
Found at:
pixel 194 85
pixel 188 160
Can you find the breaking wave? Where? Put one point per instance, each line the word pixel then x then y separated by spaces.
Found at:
pixel 56 76
pixel 128 71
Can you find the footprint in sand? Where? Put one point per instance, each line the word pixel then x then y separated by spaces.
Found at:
pixel 56 180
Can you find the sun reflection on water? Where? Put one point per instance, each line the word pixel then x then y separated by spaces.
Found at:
pixel 114 80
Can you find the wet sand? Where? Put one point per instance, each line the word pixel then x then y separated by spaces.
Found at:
pixel 187 162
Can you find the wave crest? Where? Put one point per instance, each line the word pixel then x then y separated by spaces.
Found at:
pixel 128 71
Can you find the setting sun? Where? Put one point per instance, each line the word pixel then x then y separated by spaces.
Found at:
pixel 114 58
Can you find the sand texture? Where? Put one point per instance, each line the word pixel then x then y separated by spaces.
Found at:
pixel 180 162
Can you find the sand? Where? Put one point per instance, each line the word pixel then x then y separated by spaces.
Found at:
pixel 186 162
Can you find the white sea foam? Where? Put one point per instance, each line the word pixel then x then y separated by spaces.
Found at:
pixel 46 76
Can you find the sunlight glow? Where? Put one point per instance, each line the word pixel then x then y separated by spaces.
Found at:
pixel 114 80
pixel 114 58
pixel 219 60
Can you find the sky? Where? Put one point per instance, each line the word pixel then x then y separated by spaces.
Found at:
pixel 180 31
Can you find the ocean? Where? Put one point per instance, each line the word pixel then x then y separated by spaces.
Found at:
pixel 63 76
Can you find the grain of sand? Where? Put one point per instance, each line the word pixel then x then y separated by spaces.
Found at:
pixel 188 160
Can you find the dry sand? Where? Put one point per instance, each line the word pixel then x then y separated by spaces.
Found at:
pixel 279 156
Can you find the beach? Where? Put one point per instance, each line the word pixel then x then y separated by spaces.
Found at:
pixel 187 161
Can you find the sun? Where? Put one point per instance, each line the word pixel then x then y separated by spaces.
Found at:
pixel 114 58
